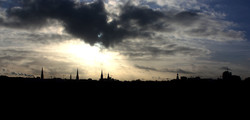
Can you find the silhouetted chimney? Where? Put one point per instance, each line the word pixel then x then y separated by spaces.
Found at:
pixel 177 78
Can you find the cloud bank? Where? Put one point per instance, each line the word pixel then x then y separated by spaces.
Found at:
pixel 91 21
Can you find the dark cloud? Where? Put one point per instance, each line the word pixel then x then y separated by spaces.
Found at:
pixel 85 21
pixel 177 71
pixel 90 21
pixel 142 17
pixel 146 68
pixel 163 70
pixel 21 74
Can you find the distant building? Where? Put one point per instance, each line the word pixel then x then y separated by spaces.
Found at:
pixel 226 75
pixel 229 77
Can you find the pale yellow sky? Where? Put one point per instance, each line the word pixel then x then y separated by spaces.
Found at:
pixel 90 60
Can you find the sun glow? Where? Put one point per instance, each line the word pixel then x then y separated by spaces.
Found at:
pixel 89 55
pixel 90 60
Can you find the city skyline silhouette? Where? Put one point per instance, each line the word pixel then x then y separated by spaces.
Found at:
pixel 227 81
pixel 226 75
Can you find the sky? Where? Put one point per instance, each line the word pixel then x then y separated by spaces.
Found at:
pixel 128 39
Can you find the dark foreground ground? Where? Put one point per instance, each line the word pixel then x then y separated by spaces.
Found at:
pixel 59 84
pixel 179 94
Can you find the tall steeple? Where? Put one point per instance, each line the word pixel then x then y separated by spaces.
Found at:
pixel 70 77
pixel 108 76
pixel 77 75
pixel 101 75
pixel 42 75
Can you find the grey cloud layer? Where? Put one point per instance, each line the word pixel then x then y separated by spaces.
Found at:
pixel 87 21
pixel 21 62
pixel 160 48
pixel 16 37
pixel 163 70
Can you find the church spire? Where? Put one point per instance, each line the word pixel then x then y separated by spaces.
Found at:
pixel 77 75
pixel 101 75
pixel 42 75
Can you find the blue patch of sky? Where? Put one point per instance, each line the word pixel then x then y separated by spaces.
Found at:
pixel 237 11
pixel 86 0
pixel 232 52
pixel 9 3
pixel 152 5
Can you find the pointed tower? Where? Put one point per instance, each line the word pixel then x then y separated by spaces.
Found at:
pixel 108 77
pixel 77 75
pixel 101 75
pixel 70 77
pixel 177 78
pixel 42 75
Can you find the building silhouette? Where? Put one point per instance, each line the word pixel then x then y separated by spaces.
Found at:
pixel 77 75
pixel 229 77
pixel 226 75
pixel 106 79
pixel 42 75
